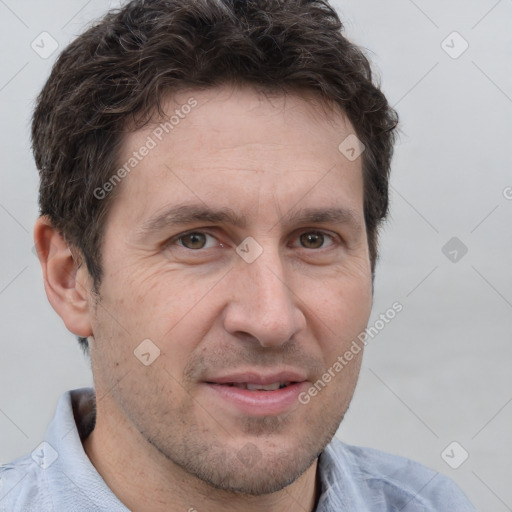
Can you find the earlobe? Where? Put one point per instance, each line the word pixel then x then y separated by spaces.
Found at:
pixel 66 281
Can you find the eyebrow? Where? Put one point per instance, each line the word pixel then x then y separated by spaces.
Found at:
pixel 191 213
pixel 187 214
pixel 336 215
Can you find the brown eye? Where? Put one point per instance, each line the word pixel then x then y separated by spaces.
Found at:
pixel 193 240
pixel 312 240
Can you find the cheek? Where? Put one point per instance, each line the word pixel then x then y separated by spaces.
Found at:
pixel 153 298
pixel 173 310
pixel 341 312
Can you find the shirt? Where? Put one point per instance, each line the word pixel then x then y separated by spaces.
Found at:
pixel 59 477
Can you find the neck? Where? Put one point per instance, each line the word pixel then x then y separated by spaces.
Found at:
pixel 145 480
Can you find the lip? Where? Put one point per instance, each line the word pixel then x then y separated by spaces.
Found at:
pixel 257 403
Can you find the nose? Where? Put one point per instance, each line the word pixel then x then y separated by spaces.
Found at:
pixel 262 304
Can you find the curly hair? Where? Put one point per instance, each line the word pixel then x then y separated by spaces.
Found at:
pixel 115 76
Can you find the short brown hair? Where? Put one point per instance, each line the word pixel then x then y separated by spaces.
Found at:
pixel 117 73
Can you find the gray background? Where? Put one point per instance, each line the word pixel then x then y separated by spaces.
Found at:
pixel 440 371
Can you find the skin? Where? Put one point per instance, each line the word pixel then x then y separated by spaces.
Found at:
pixel 299 305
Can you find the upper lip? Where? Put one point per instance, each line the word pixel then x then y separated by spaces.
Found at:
pixel 262 379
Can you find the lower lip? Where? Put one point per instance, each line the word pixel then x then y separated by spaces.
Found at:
pixel 259 402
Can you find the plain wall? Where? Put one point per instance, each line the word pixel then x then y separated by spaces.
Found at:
pixel 440 370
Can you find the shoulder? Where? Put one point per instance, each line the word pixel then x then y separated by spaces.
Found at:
pixel 57 475
pixel 381 477
pixel 23 487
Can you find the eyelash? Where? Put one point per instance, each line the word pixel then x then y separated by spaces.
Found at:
pixel 332 237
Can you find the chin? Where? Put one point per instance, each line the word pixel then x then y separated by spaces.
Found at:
pixel 267 475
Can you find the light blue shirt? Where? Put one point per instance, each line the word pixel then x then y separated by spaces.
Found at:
pixel 59 477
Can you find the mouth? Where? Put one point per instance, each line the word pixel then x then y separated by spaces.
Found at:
pixel 257 394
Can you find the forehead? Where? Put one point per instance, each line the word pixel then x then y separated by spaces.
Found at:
pixel 238 147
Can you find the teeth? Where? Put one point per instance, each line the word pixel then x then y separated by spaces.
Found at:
pixel 260 387
pixel 268 387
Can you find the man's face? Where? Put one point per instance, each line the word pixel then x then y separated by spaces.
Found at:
pixel 280 310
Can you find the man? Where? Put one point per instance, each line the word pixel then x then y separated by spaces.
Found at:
pixel 213 176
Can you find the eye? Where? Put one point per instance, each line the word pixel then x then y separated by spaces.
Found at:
pixel 315 240
pixel 195 240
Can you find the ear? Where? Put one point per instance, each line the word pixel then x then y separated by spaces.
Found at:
pixel 66 281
